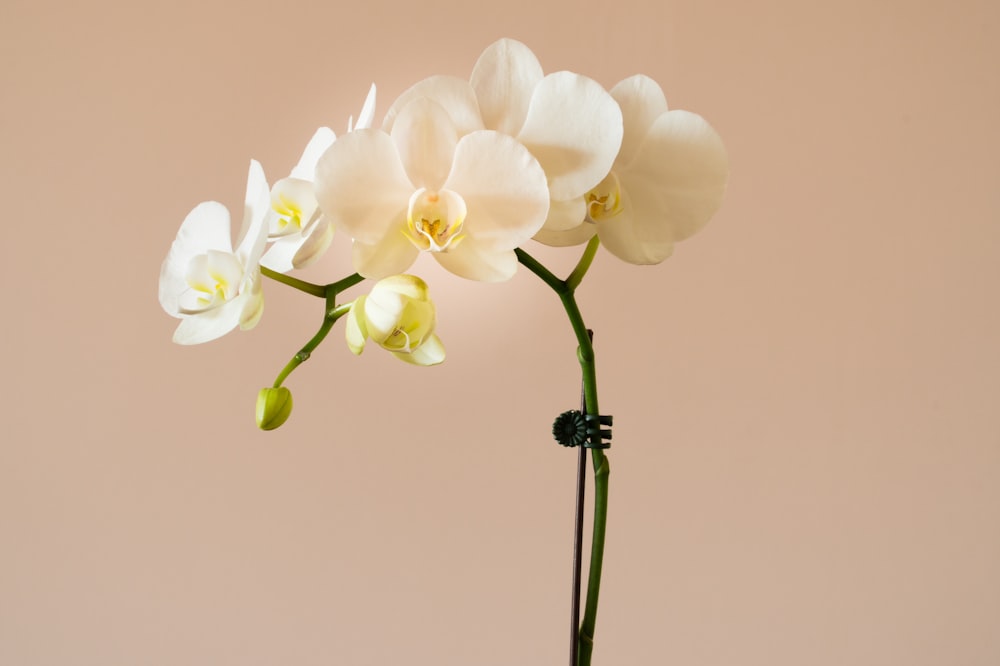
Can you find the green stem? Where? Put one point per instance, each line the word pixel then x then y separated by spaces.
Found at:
pixel 566 289
pixel 301 285
pixel 331 314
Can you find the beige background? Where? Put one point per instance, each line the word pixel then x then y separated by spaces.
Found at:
pixel 806 467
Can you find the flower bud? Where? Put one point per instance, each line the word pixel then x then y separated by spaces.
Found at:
pixel 274 405
pixel 399 316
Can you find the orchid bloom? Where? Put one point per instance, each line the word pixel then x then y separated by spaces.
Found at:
pixel 667 182
pixel 569 122
pixel 399 316
pixel 467 198
pixel 300 232
pixel 210 286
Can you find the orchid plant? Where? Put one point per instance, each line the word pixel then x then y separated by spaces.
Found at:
pixel 470 171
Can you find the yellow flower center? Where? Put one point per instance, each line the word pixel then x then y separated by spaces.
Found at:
pixel 605 200
pixel 434 219
pixel 289 212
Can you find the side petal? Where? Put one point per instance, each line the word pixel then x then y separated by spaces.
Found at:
pixel 451 92
pixel 425 138
pixel 210 324
pixel 565 215
pixel 574 128
pixel 678 177
pixel 361 186
pixel 355 329
pixel 367 114
pixel 642 101
pixel 205 228
pixel 638 235
pixel 320 141
pixel 315 245
pixel 577 236
pixel 431 352
pixel 478 262
pixel 253 304
pixel 504 78
pixel 279 256
pixel 504 189
pixel 392 254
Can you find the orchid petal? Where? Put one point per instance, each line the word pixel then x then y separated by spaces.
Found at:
pixel 355 328
pixel 503 187
pixel 205 228
pixel 679 172
pixel 425 138
pixel 367 114
pixel 253 308
pixel 574 128
pixel 481 262
pixel 431 352
pixel 256 206
pixel 209 325
pixel 320 141
pixel 576 236
pixel 642 101
pixel 565 215
pixel 361 185
pixel 504 78
pixel 638 234
pixel 451 92
pixel 314 245
pixel 391 254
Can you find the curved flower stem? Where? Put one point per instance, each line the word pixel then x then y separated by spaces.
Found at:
pixel 331 314
pixel 566 289
pixel 301 285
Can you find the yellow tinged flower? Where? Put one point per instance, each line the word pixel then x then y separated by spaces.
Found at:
pixel 399 316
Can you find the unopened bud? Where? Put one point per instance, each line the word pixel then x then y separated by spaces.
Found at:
pixel 274 405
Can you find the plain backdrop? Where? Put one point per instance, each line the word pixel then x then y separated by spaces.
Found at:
pixel 806 459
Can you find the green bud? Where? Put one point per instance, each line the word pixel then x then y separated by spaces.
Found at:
pixel 274 405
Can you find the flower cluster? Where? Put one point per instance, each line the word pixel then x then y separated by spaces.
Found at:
pixel 467 170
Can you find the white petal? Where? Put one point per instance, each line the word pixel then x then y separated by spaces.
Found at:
pixel 205 228
pixel 503 187
pixel 394 253
pixel 479 262
pixel 361 185
pixel 408 285
pixel 255 209
pixel 504 78
pixel 367 114
pixel 565 215
pixel 431 352
pixel 574 128
pixel 253 306
pixel 321 140
pixel 678 177
pixel 279 256
pixel 451 92
pixel 577 236
pixel 315 245
pixel 425 138
pixel 637 235
pixel 355 328
pixel 642 101
pixel 209 325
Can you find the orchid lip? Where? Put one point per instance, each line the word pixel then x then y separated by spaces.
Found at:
pixel 434 219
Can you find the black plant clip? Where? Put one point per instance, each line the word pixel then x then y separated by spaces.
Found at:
pixel 598 436
pixel 574 428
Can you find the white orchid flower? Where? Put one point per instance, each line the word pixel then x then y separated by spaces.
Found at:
pixel 399 316
pixel 468 198
pixel 299 231
pixel 569 122
pixel 210 286
pixel 668 179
